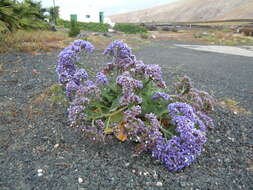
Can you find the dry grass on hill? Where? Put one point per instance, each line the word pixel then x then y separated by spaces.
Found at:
pixel 190 10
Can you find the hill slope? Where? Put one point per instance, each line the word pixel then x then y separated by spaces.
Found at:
pixel 191 10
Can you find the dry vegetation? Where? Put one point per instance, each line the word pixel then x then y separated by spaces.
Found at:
pixel 33 41
pixel 224 38
pixel 133 40
pixel 232 105
pixel 190 10
pixel 214 37
pixel 38 41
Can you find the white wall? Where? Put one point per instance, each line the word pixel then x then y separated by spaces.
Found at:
pixel 81 14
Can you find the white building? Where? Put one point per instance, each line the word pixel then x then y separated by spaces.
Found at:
pixel 86 14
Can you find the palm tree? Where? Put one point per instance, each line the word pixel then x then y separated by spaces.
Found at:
pixel 27 14
pixel 54 14
pixel 31 15
pixel 8 20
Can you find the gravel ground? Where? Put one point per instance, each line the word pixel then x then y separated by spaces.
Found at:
pixel 30 157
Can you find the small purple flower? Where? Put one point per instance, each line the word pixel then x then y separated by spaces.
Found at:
pixel 74 113
pixel 84 45
pixel 178 108
pixel 89 83
pixel 126 81
pixel 70 87
pixel 208 121
pixel 81 74
pixel 183 85
pixel 154 72
pixel 129 98
pixel 101 78
pixel 118 49
pixel 80 100
pixel 66 68
pixel 132 113
pixel 162 95
pixel 100 123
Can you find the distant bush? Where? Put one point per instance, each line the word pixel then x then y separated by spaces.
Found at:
pixel 91 26
pixel 144 35
pixel 74 29
pixel 130 28
pixel 247 31
pixel 95 27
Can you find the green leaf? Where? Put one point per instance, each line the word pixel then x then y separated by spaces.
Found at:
pixel 117 118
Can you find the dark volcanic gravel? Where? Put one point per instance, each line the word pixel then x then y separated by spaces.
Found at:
pixel 30 128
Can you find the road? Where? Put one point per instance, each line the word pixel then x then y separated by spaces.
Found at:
pixel 227 75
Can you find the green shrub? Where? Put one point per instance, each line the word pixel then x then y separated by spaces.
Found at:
pixel 27 14
pixel 91 26
pixel 74 29
pixel 95 27
pixel 130 28
pixel 144 35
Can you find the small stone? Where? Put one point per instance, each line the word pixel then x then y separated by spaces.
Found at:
pixel 40 174
pixel 218 140
pixel 80 180
pixel 159 184
pixel 127 164
pixel 155 175
pixel 153 37
pixel 40 171
pixel 145 173
pixel 227 160
pixel 133 171
pixel 232 139
pixel 35 72
pixel 56 145
pixel 183 184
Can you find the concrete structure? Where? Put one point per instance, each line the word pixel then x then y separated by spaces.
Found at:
pixel 87 14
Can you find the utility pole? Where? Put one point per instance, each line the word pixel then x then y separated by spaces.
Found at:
pixel 54 13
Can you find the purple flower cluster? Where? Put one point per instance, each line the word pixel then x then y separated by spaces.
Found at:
pixel 202 100
pixel 138 131
pixel 134 125
pixel 75 113
pixel 129 85
pixel 68 73
pixel 162 95
pixel 199 100
pixel 87 46
pixel 154 72
pixel 123 59
pixel 180 151
pixel 201 120
pixel 101 78
pixel 179 108
pixel 173 133
pixel 183 85
pixel 118 49
pixel 85 90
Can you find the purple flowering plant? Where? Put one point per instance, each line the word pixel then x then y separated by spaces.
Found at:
pixel 129 99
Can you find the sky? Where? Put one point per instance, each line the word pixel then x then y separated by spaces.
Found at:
pixel 109 7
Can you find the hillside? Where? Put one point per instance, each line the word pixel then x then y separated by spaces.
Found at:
pixel 191 10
